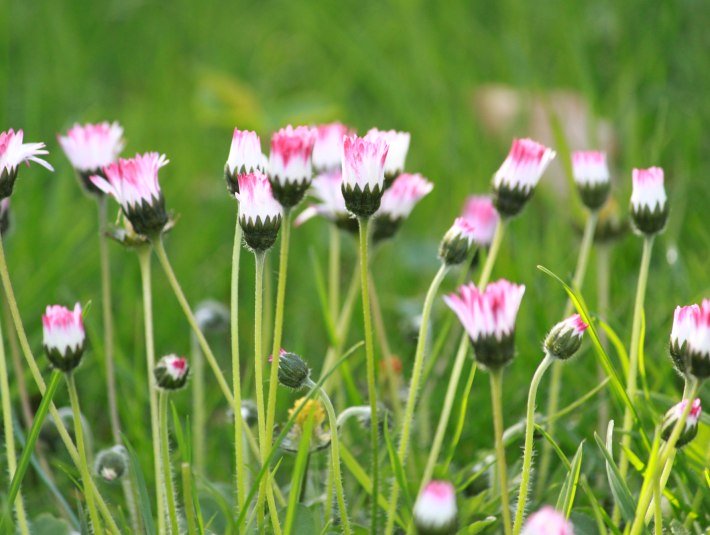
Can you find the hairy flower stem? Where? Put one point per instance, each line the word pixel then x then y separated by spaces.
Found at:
pixel 41 385
pixel 167 468
pixel 9 435
pixel 414 388
pixel 83 463
pixel 528 449
pixel 144 254
pixel 371 370
pixel 199 418
pixel 553 400
pixel 188 499
pixel 334 272
pixel 497 402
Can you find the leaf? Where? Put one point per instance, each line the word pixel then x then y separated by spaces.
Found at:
pixel 297 474
pixel 397 467
pixel 462 413
pixel 145 500
pixel 46 524
pixel 478 526
pixel 569 487
pixel 323 299
pixel 642 358
pixel 622 495
pixel 617 343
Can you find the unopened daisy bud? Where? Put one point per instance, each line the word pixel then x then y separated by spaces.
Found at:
pixel 328 147
pixel 683 326
pixel 457 242
pixel 363 173
pixel 435 511
pixel 112 464
pixel 12 153
pixel 649 204
pixel 171 372
pixel 483 217
pixel 90 148
pixel 398 143
pixel 699 343
pixel 212 316
pixel 547 521
pixel 259 213
pixel 591 175
pixel 63 336
pixel 397 203
pixel 691 422
pixel 245 157
pixel 290 167
pixel 564 339
pixel 134 185
pixel 293 371
pixel 489 319
pixel 514 183
pixel 4 216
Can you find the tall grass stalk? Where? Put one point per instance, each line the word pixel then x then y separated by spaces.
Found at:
pixel 165 459
pixel 496 377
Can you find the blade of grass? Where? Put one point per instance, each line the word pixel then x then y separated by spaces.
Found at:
pixel 145 500
pixel 298 472
pixel 397 468
pixel 323 299
pixel 619 489
pixel 569 488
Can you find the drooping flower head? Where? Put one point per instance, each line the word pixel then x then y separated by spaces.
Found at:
pixel 259 213
pixel 398 143
pixel 363 173
pixel 327 188
pixel 397 203
pixel 171 372
pixel 480 212
pixel 683 326
pixel 699 343
pixel 245 156
pixel 649 204
pixel 564 339
pixel 90 148
pixel 514 183
pixel 134 185
pixel 4 216
pixel 63 336
pixel 328 147
pixel 457 242
pixel 112 464
pixel 547 521
pixel 290 168
pixel 591 174
pixel 672 417
pixel 435 511
pixel 12 153
pixel 489 319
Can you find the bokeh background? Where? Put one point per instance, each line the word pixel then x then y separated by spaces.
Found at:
pixel 463 77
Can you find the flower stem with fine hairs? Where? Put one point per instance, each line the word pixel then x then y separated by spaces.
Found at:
pixel 414 387
pixel 371 370
pixel 188 498
pixel 84 466
pixel 167 468
pixel 334 272
pixel 497 402
pixel 528 449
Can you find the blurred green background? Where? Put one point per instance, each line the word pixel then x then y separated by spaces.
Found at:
pixel 180 75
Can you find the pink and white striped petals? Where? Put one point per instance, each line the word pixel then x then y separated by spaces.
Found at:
pixel 565 337
pixel 480 212
pixel 699 343
pixel 13 152
pixel 63 336
pixel 171 372
pixel 547 521
pixel 398 143
pixel 673 416
pixel 649 203
pixel 406 191
pixel 259 213
pixel 457 242
pixel 328 147
pixel 245 156
pixel 435 511
pixel 684 319
pixel 363 173
pixel 290 157
pixel 91 147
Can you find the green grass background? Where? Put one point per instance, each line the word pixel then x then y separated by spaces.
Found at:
pixel 180 75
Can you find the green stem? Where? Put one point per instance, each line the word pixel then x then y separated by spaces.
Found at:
pixel 188 499
pixel 167 467
pixel 298 474
pixel 492 254
pixel 84 466
pixel 334 272
pixel 144 254
pixel 528 449
pixel 371 369
pixel 497 402
pixel 259 380
pixel 657 512
pixel 199 418
pixel 414 387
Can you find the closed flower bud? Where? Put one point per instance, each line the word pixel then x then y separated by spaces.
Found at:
pixel 514 183
pixel 171 372
pixel 649 204
pixel 293 371
pixel 683 325
pixel 398 143
pixel 363 173
pixel 547 521
pixel 90 148
pixel 397 203
pixel 699 343
pixel 457 242
pixel 328 147
pixel 63 337
pixel 591 175
pixel 134 185
pixel 564 339
pixel 489 319
pixel 4 216
pixel 259 214
pixel 112 464
pixel 245 157
pixel 13 152
pixel 290 167
pixel 482 216
pixel 435 511
pixel 691 422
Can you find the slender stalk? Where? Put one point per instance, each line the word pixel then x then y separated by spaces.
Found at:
pixel 199 418
pixel 84 466
pixel 334 271
pixel 298 474
pixel 657 512
pixel 667 469
pixel 19 374
pixel 188 498
pixel 603 293
pixel 414 387
pixel 9 434
pixel 381 333
pixel 553 400
pixel 167 467
pixel 485 276
pixel 371 370
pixel 497 401
pixel 144 255
pixel 528 450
